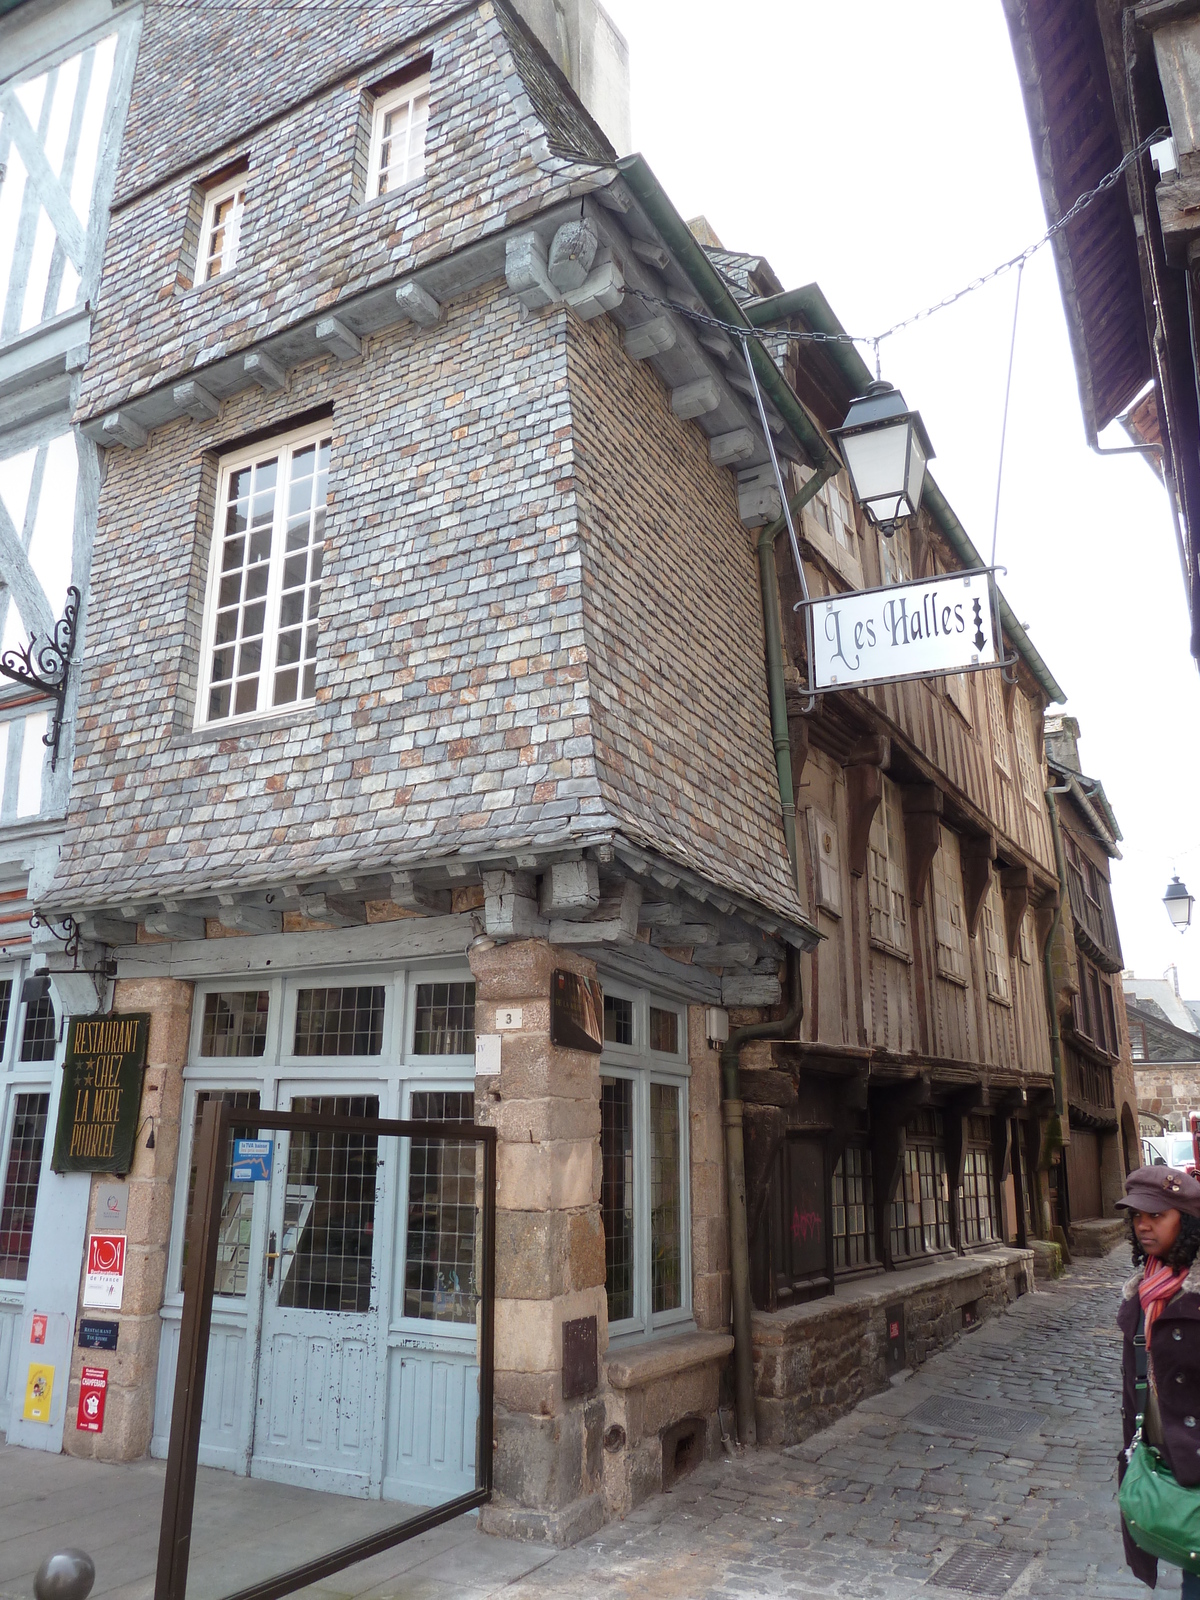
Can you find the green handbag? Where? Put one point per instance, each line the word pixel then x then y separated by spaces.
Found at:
pixel 1163 1518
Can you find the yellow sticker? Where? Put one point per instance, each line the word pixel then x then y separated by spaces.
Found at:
pixel 39 1390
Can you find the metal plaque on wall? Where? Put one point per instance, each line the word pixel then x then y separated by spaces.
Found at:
pixel 576 1012
pixel 101 1093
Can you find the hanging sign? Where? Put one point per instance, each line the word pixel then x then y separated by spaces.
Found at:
pixel 104 1281
pixel 908 630
pixel 101 1093
pixel 93 1391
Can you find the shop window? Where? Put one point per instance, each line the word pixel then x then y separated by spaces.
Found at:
pixel 997 722
pixel 444 1023
pixel 921 1211
pixel 853 1210
pixel 644 1186
pixel 326 1247
pixel 22 1173
pixel 237 1199
pixel 40 1033
pixel 439 1266
pixel 995 947
pixel 235 1023
pixel 887 887
pixel 979 1188
pixel 339 1022
pixel 398 126
pixel 949 916
pixel 264 588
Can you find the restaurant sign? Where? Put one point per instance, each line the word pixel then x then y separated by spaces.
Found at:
pixel 101 1093
pixel 907 630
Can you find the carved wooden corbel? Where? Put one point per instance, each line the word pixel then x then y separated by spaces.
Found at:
pixel 864 791
pixel 922 835
pixel 1044 919
pixel 978 852
pixel 798 735
pixel 1015 884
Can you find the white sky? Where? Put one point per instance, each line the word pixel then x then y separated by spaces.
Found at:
pixel 882 150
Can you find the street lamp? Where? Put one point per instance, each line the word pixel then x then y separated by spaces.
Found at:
pixel 1179 904
pixel 885 448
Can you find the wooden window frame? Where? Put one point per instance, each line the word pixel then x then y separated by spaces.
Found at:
pixel 409 93
pixel 887 882
pixel 232 189
pixel 1028 766
pixel 995 948
pixel 949 912
pixel 895 558
pixel 997 722
pixel 284 448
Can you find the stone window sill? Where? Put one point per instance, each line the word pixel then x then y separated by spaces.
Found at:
pixel 665 1358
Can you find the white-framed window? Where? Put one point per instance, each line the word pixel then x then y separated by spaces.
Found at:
pixel 997 721
pixel 833 526
pixel 886 879
pixel 398 123
pixel 221 230
pixel 895 557
pixel 1029 768
pixel 259 642
pixel 949 916
pixel 645 1199
pixel 995 946
pixel 29 1046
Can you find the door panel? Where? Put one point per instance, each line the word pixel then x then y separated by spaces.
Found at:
pixel 320 1345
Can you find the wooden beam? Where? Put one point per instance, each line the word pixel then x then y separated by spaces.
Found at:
pixel 978 851
pixel 1015 885
pixel 923 804
pixel 864 790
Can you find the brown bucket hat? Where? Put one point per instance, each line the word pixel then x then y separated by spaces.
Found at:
pixel 1158 1189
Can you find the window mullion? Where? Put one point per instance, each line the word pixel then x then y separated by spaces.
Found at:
pixel 642 1243
pixel 266 686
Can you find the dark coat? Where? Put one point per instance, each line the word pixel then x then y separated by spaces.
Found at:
pixel 1175 1357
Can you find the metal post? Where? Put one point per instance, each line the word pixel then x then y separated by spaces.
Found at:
pixel 179 1490
pixel 487 1317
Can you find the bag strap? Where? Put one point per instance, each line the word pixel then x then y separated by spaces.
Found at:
pixel 1141 1367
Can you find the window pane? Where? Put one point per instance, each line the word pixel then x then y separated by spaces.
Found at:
pixel 235 1024
pixel 339 1022
pixel 444 1023
pixel 616 1192
pixel 439 1268
pixel 237 1199
pixel 618 1020
pixel 40 1034
pixel 21 1183
pixel 329 1210
pixel 853 1209
pixel 664 1031
pixel 666 1242
pixel 6 990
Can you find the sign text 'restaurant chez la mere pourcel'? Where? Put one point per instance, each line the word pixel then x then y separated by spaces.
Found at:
pixel 938 625
pixel 101 1093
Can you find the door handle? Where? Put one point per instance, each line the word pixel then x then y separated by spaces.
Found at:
pixel 272 1256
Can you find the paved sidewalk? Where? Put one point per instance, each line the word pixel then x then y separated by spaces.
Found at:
pixel 875 1506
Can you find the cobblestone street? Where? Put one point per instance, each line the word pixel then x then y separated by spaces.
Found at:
pixel 877 1504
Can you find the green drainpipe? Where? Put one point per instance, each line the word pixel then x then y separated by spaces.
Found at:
pixel 1053 1137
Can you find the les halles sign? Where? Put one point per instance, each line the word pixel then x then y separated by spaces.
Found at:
pixel 101 1093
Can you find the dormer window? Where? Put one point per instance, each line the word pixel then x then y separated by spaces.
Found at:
pixel 398 137
pixel 220 231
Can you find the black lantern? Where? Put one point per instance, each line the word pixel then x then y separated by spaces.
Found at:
pixel 1179 904
pixel 885 448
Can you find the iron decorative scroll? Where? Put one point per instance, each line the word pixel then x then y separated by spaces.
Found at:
pixel 44 664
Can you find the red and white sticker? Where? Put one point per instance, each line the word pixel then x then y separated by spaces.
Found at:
pixel 93 1391
pixel 104 1283
pixel 37 1328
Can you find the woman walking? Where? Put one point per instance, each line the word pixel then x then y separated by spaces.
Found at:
pixel 1162 1300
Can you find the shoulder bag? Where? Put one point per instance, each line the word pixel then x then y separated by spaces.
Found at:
pixel 1162 1516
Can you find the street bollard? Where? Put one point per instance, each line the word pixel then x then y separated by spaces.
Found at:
pixel 68 1575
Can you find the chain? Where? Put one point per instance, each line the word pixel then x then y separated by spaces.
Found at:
pixel 793 336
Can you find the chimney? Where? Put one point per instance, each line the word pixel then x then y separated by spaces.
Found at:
pixel 1062 741
pixel 583 41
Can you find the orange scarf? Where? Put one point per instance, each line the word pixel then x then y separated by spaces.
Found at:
pixel 1159 1283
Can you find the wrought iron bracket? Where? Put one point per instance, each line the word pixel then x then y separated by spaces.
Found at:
pixel 70 938
pixel 45 664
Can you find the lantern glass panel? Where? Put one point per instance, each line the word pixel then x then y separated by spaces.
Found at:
pixel 916 471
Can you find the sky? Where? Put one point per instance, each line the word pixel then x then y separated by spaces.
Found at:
pixel 882 151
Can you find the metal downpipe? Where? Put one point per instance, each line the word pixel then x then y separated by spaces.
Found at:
pixel 735 1173
pixel 1056 1057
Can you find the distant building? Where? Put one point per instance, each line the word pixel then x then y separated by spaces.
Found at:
pixel 1164 1041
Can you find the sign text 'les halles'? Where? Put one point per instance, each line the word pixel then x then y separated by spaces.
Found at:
pixel 101 1094
pixel 908 630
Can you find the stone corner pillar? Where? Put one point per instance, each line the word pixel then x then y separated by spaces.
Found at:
pixel 133 1367
pixel 545 1106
